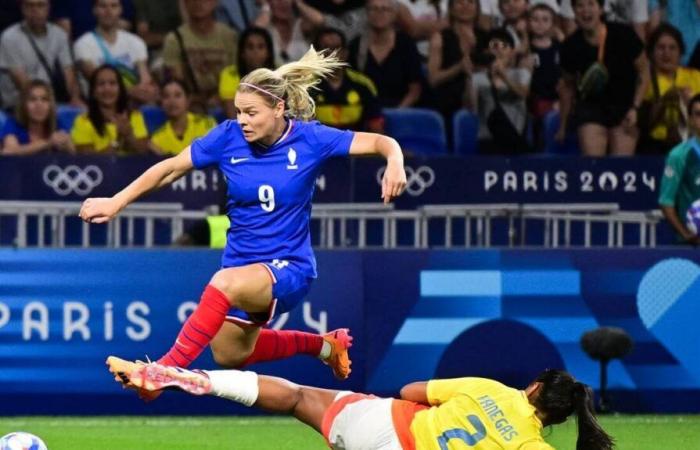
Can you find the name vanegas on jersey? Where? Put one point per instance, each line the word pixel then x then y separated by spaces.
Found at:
pixel 494 412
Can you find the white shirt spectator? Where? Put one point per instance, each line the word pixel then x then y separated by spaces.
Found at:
pixel 620 11
pixel 128 49
pixel 16 52
pixel 491 8
pixel 514 106
pixel 424 10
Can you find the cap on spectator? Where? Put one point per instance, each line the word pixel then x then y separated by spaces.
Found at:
pixel 551 4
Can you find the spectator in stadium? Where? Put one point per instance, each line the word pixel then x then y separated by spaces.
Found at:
pixel 420 19
pixel 34 129
pixel 76 18
pixel 238 14
pixel 498 96
pixel 428 414
pixel 684 15
pixel 255 50
pixel 197 52
pixel 109 125
pixel 287 29
pixel 108 44
pixel 348 16
pixel 388 57
pixel 490 16
pixel 515 22
pixel 154 19
pixel 347 98
pixel 679 186
pixel 543 62
pixel 634 13
pixel 182 126
pixel 36 49
pixel 604 70
pixel 270 155
pixel 664 109
pixel 451 57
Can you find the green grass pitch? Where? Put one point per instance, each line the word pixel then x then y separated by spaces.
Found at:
pixel 272 433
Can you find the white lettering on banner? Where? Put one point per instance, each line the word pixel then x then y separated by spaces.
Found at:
pixel 321 182
pixel 184 310
pixel 109 321
pixel 196 180
pixel 559 181
pixel 80 324
pixel 279 323
pixel 4 314
pixel 138 320
pixel 41 325
pixel 320 325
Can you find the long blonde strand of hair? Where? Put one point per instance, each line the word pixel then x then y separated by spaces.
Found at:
pixel 292 81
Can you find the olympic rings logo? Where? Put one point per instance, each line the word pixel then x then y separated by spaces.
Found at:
pixel 72 179
pixel 417 180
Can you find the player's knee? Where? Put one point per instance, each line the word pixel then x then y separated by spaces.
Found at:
pixel 228 283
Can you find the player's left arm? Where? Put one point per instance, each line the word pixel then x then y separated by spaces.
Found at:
pixel 394 181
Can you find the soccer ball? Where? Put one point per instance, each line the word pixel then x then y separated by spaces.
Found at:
pixel 20 440
pixel 692 218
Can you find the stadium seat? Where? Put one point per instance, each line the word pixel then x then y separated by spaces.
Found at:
pixel 465 132
pixel 66 114
pixel 418 130
pixel 551 146
pixel 154 116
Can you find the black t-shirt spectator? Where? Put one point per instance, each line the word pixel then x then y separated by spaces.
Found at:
pixel 622 48
pixel 546 71
pixel 401 67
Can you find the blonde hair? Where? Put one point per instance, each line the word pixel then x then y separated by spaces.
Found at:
pixel 292 81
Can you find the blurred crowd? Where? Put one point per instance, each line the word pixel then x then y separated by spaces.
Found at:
pixel 618 74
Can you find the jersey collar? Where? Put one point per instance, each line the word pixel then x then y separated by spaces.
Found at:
pixel 282 138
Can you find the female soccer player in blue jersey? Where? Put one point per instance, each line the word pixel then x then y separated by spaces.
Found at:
pixel 270 157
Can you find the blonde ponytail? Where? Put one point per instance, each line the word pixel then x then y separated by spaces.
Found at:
pixel 292 81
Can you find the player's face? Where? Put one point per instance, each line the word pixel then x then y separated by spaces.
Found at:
pixel 256 117
pixel 38 105
pixel 175 102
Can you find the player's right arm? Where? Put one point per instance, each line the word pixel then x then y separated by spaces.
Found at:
pixel 434 392
pixel 101 210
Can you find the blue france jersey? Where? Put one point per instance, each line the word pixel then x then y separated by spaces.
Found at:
pixel 270 190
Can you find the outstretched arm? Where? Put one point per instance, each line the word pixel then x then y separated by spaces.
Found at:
pixel 101 210
pixel 394 181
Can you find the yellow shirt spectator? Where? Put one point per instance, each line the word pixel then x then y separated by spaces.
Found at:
pixel 686 78
pixel 228 82
pixel 167 142
pixel 84 133
pixel 477 413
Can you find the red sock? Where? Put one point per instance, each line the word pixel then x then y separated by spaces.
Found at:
pixel 279 344
pixel 199 329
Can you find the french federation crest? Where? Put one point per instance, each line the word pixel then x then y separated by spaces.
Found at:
pixel 292 157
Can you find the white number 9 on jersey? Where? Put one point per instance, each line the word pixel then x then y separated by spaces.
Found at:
pixel 266 195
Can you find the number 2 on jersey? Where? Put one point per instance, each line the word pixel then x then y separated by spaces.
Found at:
pixel 266 195
pixel 463 435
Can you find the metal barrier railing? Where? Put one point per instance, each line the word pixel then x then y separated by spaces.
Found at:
pixel 361 225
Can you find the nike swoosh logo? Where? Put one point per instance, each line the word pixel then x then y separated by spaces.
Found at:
pixel 236 161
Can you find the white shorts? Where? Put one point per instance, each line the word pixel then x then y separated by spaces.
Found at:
pixel 363 422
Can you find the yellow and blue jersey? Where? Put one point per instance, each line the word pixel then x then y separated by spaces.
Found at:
pixel 169 143
pixel 270 189
pixel 476 414
pixel 85 133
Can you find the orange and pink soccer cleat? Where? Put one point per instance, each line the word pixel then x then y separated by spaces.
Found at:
pixel 339 360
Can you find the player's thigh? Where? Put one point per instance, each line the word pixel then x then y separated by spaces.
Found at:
pixel 593 139
pixel 233 344
pixel 313 404
pixel 247 287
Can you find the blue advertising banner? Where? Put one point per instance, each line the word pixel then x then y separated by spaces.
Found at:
pixel 415 315
pixel 631 182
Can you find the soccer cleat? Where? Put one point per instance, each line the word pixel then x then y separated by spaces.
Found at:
pixel 123 370
pixel 340 341
pixel 155 377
